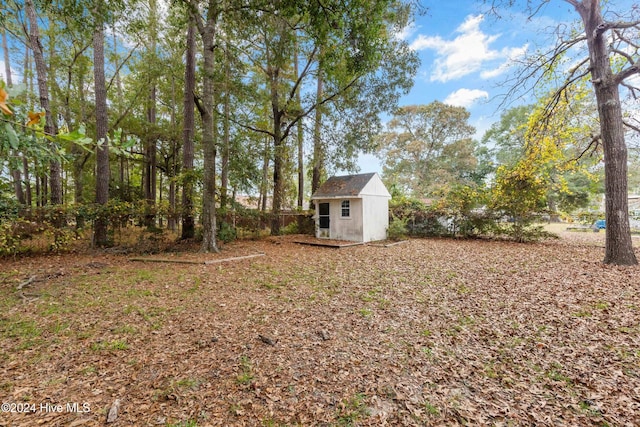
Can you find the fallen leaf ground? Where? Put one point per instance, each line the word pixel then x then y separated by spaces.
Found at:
pixel 429 332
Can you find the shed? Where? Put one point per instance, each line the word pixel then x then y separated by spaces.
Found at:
pixel 352 207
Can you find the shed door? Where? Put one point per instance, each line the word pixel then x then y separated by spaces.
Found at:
pixel 323 215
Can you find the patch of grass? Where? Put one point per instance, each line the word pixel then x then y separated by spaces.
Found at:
pixel 23 329
pixel 245 377
pixel 582 313
pixel 351 410
pixel 555 374
pixel 588 407
pixel 431 409
pixel 187 383
pixel 59 327
pixel 89 370
pixel 466 321
pixel 109 345
pixel 137 293
pixel 27 332
pixel 197 281
pixel 602 305
pixel 187 423
pixel 427 351
pixel 8 301
pixel 365 312
pixel 51 308
pixel 273 423
pixel 152 315
pixel 236 409
pixel 125 330
pixel 463 323
pixel 144 275
pixel 270 285
pixel 461 289
pixel 490 371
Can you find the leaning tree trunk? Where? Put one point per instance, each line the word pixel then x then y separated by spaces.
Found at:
pixel 50 127
pixel 618 244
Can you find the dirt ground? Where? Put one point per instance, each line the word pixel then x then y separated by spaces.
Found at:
pixel 428 332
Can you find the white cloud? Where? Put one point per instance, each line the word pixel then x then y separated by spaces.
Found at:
pixel 465 97
pixel 406 32
pixel 509 54
pixel 465 54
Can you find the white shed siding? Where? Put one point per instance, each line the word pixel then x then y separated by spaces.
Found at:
pixel 375 217
pixel 346 228
pixel 375 187
pixel 369 208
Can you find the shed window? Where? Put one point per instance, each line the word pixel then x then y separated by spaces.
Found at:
pixel 346 209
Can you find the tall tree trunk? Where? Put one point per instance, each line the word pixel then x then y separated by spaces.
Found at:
pixel 17 185
pixel 150 167
pixel 209 139
pixel 618 243
pixel 279 152
pixel 38 190
pixel 224 157
pixel 318 149
pixel 7 63
pixel 27 79
pixel 300 141
pixel 150 175
pixel 55 167
pixel 123 190
pixel 44 188
pixel 172 166
pixel 27 180
pixel 188 224
pixel 25 163
pixel 80 157
pixel 102 122
pixel 50 126
pixel 160 222
pixel 264 185
pixel 15 171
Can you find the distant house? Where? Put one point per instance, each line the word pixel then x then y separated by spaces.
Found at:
pixel 352 207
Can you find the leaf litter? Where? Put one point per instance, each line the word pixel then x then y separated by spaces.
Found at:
pixel 431 332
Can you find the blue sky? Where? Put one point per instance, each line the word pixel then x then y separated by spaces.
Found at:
pixel 466 55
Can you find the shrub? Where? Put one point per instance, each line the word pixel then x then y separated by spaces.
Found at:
pixel 397 229
pixel 291 228
pixel 227 233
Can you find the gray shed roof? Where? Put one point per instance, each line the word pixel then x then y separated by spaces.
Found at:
pixel 343 186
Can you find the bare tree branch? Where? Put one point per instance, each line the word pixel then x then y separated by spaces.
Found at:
pixel 626 73
pixel 593 146
pixel 631 126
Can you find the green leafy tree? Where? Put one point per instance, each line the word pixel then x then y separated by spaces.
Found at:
pixel 428 148
pixel 611 62
pixel 569 165
pixel 505 138
pixel 342 42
